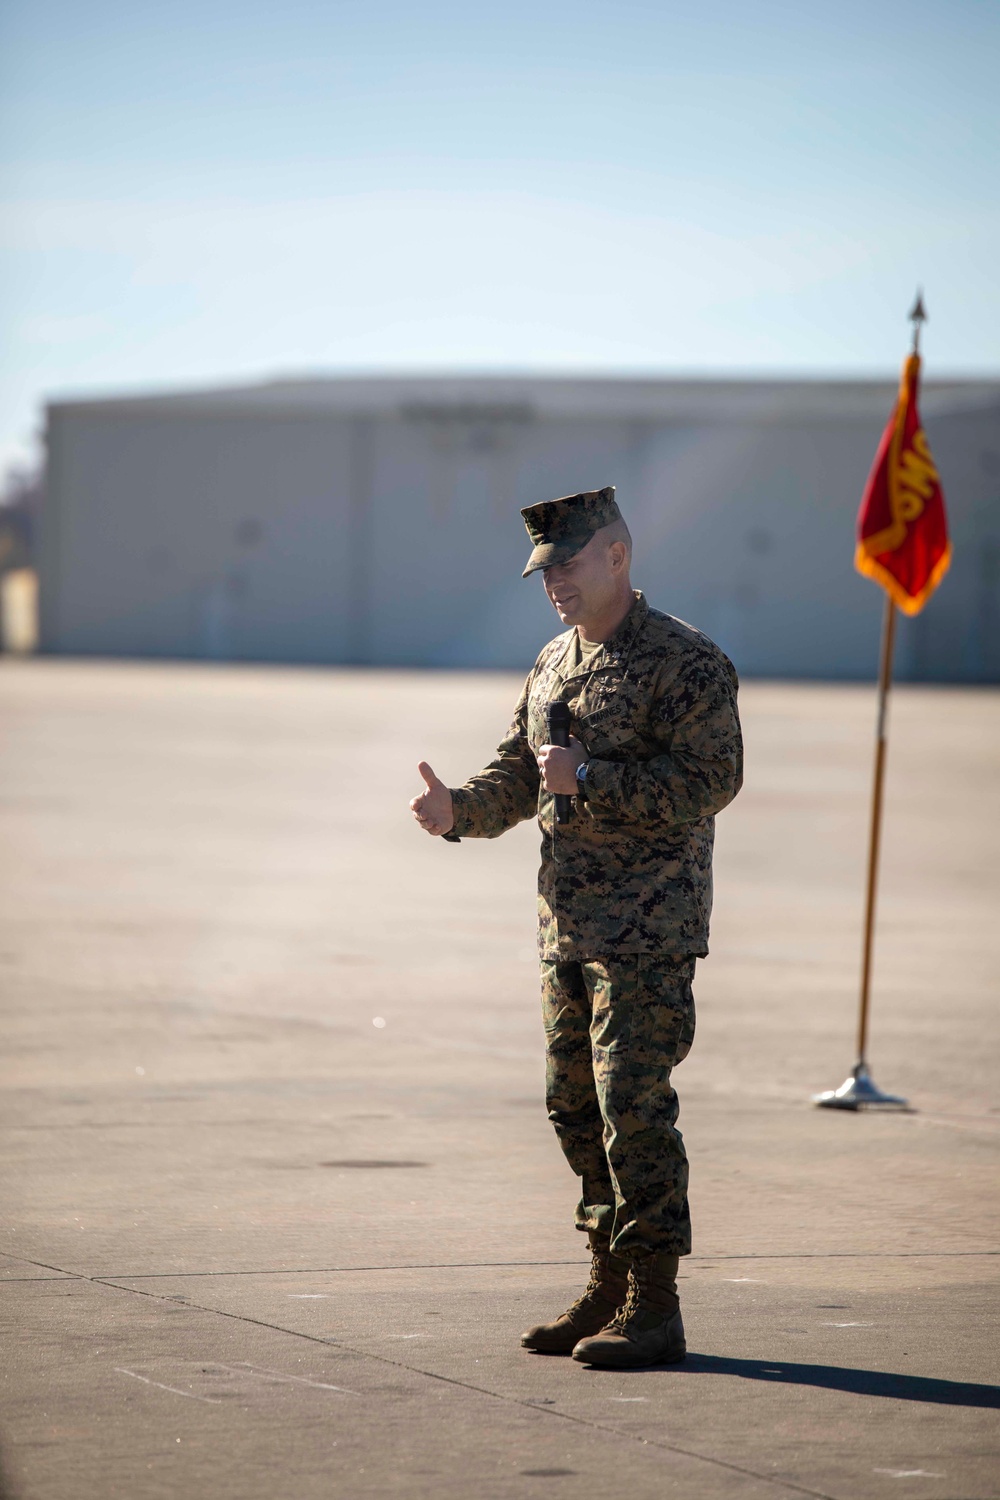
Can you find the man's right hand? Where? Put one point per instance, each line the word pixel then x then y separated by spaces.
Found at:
pixel 433 809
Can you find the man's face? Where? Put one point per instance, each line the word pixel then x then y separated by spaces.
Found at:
pixel 583 588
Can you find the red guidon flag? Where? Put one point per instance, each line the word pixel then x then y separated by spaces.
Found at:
pixel 902 528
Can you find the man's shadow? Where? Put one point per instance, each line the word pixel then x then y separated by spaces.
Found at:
pixel 837 1378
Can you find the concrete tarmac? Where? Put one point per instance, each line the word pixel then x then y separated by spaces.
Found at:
pixel 249 1010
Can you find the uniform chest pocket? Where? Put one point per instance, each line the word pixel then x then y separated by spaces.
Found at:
pixel 538 724
pixel 611 724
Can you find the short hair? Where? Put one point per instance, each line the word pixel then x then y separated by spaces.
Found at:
pixel 617 531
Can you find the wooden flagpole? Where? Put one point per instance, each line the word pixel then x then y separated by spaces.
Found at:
pixel 858 1091
pixel 875 831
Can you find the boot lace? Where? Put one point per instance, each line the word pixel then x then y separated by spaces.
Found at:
pixel 619 1323
pixel 592 1289
pixel 600 1271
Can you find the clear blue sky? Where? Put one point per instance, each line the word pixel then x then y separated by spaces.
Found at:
pixel 198 192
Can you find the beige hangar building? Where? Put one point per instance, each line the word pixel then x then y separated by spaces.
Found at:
pixel 374 520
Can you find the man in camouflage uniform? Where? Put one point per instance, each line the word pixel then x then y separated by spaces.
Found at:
pixel 624 898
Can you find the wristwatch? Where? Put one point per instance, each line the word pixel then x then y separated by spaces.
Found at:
pixel 581 780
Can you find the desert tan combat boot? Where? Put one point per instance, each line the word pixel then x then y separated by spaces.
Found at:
pixel 606 1291
pixel 647 1330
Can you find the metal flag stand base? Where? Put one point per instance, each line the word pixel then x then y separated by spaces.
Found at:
pixel 859 1092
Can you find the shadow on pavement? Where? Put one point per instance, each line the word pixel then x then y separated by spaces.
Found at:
pixel 838 1378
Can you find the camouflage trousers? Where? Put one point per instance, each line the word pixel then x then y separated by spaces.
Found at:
pixel 614 1029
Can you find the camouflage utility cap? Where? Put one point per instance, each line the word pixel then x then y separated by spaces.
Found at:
pixel 562 528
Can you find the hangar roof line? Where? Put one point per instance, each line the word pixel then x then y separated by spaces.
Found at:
pixel 526 397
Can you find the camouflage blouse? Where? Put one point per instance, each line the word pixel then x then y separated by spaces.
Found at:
pixel 632 870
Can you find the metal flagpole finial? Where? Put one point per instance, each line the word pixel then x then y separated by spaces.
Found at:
pixel 917 315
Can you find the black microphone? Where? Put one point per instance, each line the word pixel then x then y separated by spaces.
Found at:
pixel 558 716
